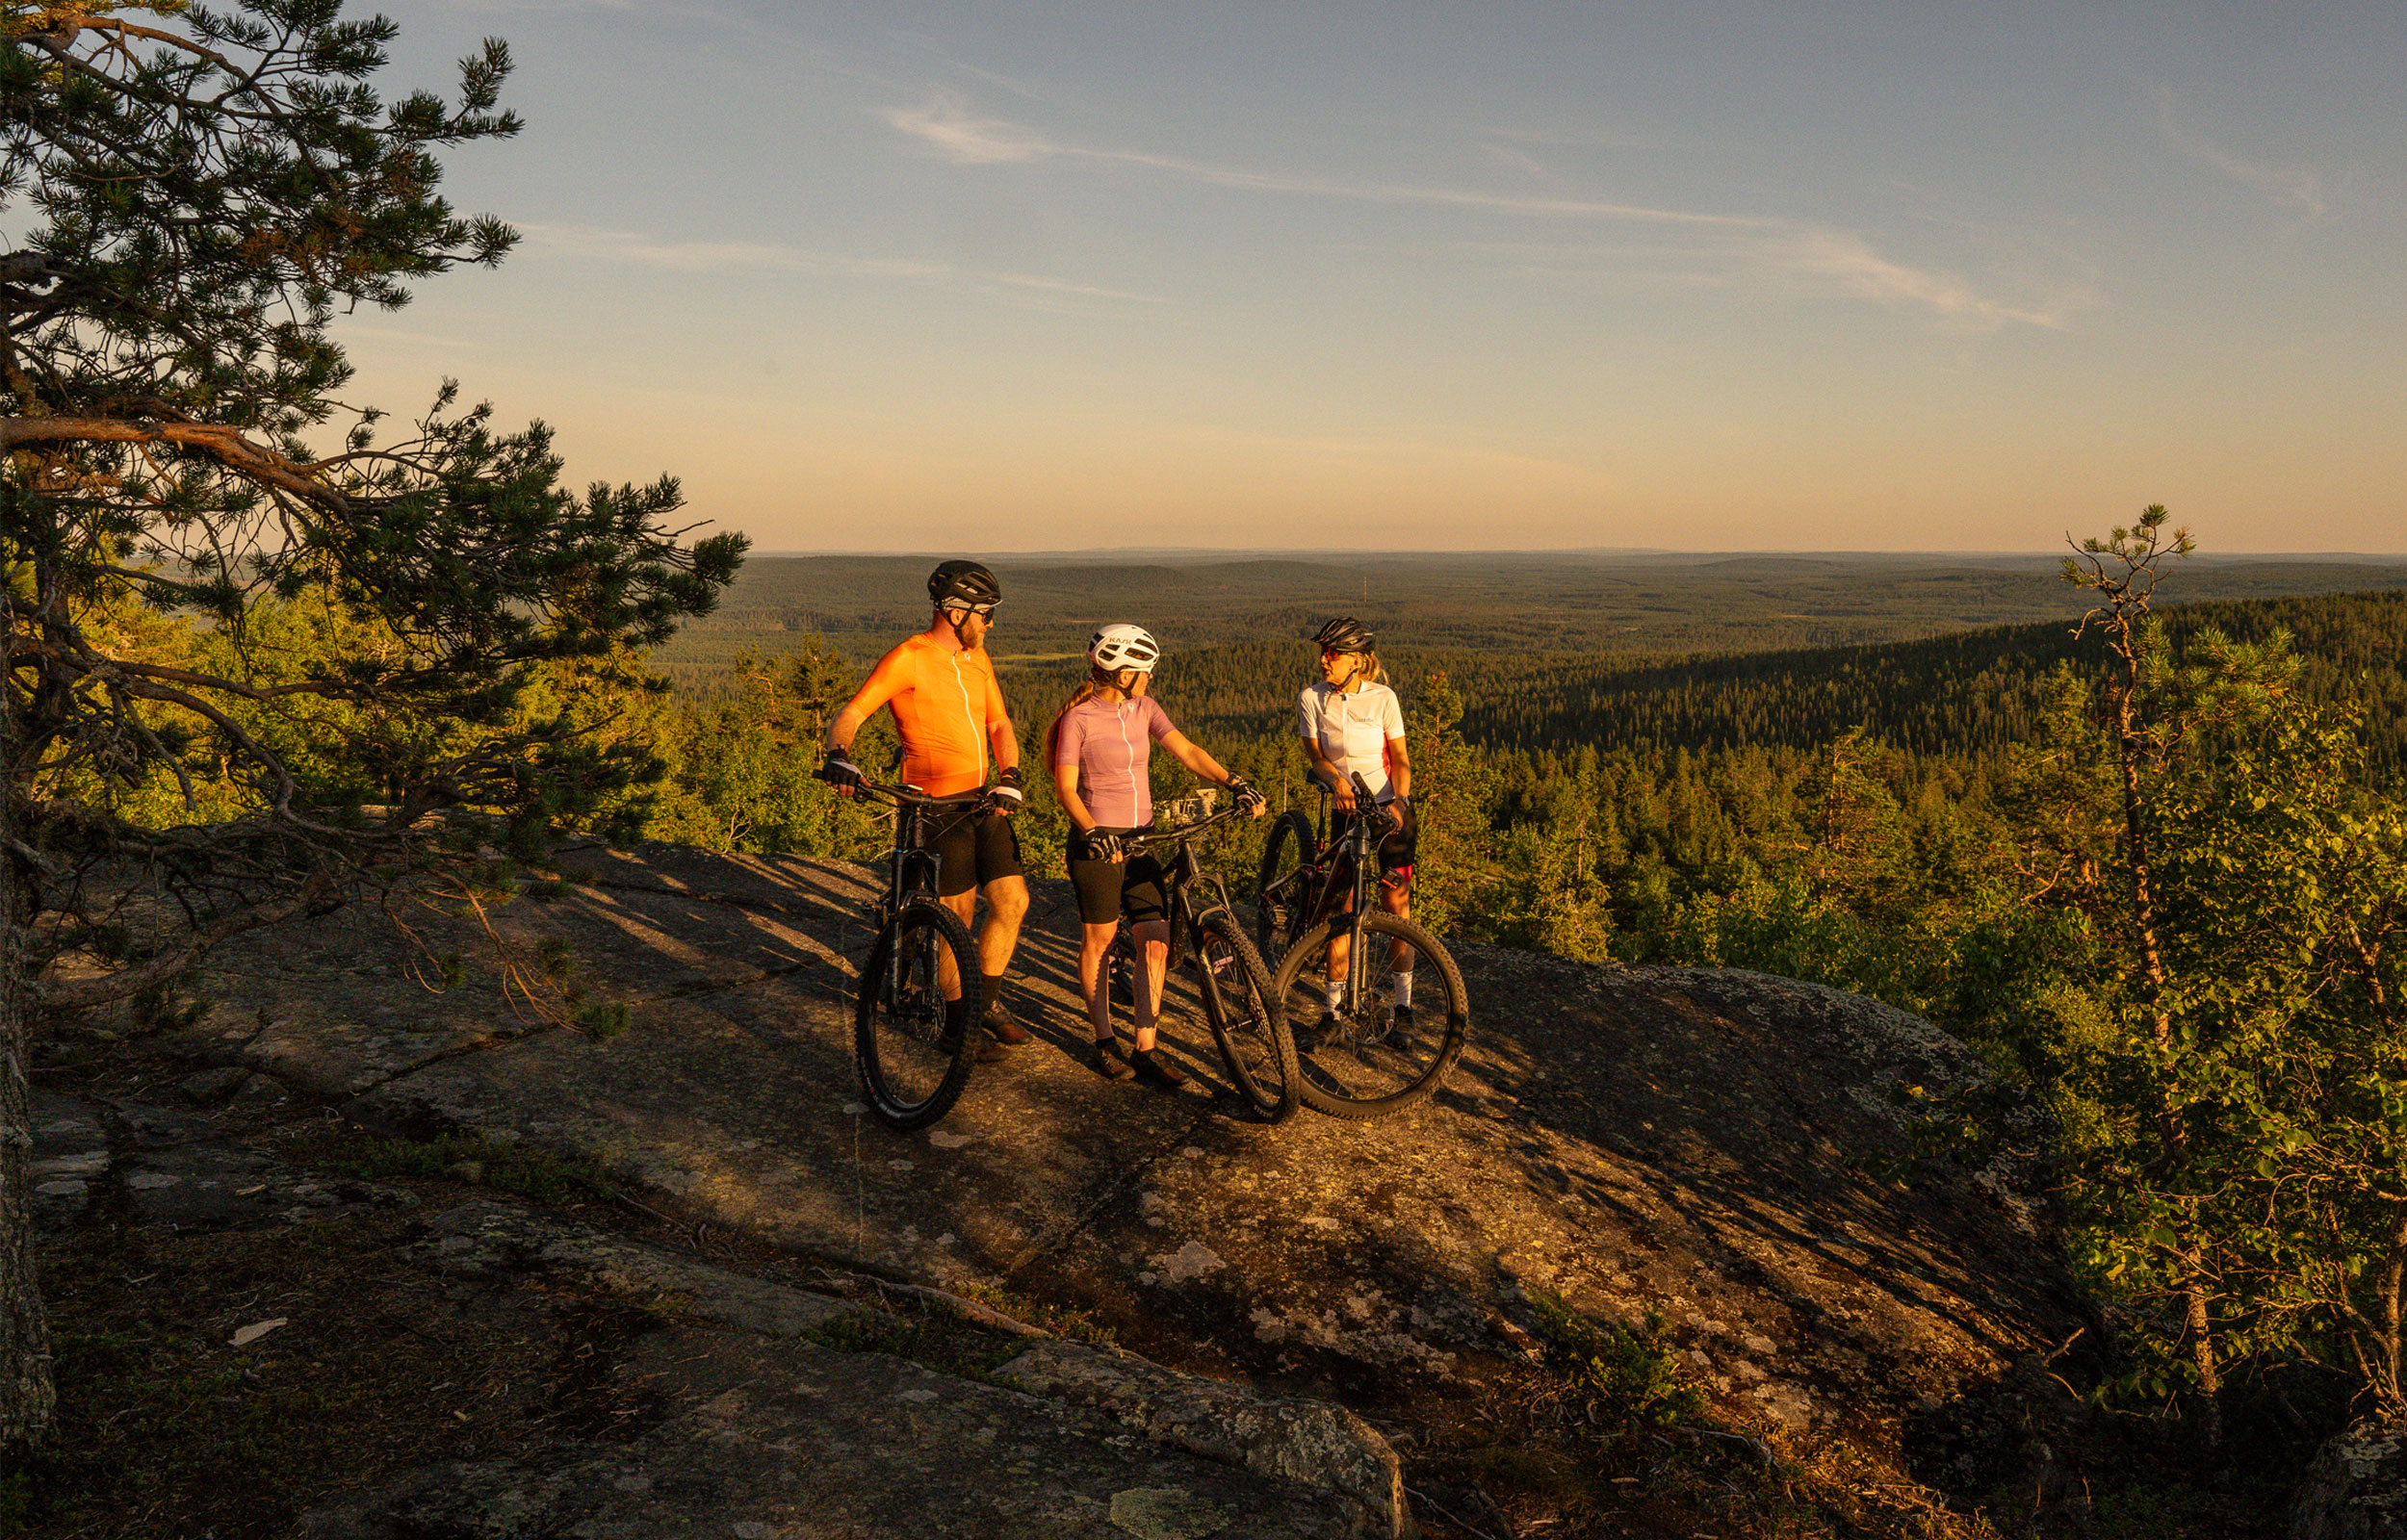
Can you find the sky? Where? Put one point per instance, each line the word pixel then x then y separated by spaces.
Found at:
pixel 1416 276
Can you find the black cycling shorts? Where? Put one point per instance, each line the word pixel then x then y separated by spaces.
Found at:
pixel 1108 887
pixel 974 849
pixel 1397 851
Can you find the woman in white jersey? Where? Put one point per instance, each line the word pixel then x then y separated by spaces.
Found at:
pixel 1352 725
pixel 1101 749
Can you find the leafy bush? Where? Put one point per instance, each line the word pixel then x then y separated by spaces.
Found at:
pixel 1612 1377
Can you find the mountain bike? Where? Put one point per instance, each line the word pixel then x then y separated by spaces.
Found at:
pixel 1239 1003
pixel 912 1069
pixel 1375 1056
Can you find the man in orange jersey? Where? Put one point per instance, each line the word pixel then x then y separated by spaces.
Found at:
pixel 948 711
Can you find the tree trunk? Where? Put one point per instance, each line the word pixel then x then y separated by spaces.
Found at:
pixel 2207 1406
pixel 26 1395
pixel 2129 751
pixel 2384 1372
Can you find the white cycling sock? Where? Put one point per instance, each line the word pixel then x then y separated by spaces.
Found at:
pixel 1404 989
pixel 1336 990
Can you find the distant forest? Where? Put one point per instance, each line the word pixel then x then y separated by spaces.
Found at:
pixel 1569 603
pixel 1968 694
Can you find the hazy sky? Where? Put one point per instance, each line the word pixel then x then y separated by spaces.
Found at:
pixel 1704 276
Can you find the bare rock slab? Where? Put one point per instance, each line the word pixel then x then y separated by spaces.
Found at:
pixel 72 1158
pixel 782 1439
pixel 1704 1147
pixel 1311 1442
pixel 484 1240
pixel 1308 1444
pixel 2357 1489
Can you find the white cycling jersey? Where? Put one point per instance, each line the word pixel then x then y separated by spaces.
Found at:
pixel 1353 730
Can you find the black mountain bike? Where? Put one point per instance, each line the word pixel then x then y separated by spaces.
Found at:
pixel 1376 1054
pixel 1239 1003
pixel 912 1070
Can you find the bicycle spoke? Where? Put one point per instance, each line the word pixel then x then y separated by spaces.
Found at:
pixel 910 1067
pixel 1388 1045
pixel 1243 1014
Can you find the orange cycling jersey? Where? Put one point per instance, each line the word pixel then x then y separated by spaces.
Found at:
pixel 944 704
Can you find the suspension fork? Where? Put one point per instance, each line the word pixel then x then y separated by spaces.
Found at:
pixel 1362 895
pixel 1357 945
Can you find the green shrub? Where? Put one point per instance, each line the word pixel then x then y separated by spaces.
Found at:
pixel 1614 1376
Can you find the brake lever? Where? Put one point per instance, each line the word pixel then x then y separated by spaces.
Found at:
pixel 1362 797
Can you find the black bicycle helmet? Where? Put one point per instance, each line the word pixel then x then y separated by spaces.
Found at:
pixel 1345 635
pixel 964 582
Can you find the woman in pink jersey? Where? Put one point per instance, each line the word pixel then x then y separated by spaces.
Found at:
pixel 1102 746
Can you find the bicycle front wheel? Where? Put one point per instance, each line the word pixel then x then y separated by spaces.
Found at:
pixel 912 1071
pixel 1243 1011
pixel 1374 1054
pixel 1280 895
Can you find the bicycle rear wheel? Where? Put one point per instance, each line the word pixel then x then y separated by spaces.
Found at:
pixel 1371 1059
pixel 1243 1011
pixel 911 1072
pixel 1280 895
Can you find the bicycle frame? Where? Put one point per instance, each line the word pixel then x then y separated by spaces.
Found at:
pixel 1183 871
pixel 1358 855
pixel 911 871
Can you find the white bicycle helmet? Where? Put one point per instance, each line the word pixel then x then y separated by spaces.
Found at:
pixel 1120 646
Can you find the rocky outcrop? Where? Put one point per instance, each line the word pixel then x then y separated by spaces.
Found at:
pixel 1316 1444
pixel 161 1165
pixel 2357 1489
pixel 500 1240
pixel 1724 1154
pixel 769 1408
pixel 770 1439
pixel 1310 1444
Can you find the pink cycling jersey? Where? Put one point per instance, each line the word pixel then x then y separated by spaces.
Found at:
pixel 1110 744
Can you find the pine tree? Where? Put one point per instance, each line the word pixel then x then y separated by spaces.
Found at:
pixel 196 198
pixel 1452 794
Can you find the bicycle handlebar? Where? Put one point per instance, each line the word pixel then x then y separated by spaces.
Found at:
pixel 1361 790
pixel 1363 799
pixel 914 797
pixel 1165 836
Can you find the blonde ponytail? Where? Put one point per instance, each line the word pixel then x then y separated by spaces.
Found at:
pixel 1097 682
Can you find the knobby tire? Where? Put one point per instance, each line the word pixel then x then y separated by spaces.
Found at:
pixel 1403 1070
pixel 1281 900
pixel 1243 1011
pixel 908 1076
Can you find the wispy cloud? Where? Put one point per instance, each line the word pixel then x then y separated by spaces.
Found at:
pixel 2284 186
pixel 752 256
pixel 1836 259
pixel 1848 260
pixel 1807 259
pixel 946 124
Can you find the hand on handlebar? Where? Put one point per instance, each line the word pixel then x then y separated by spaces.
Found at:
pixel 1250 802
pixel 838 771
pixel 1005 795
